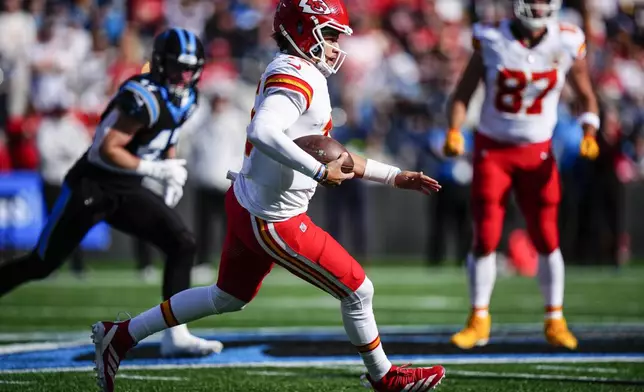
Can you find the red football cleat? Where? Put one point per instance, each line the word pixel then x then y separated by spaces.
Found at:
pixel 403 379
pixel 111 342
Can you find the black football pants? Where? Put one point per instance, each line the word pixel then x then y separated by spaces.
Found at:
pixel 79 207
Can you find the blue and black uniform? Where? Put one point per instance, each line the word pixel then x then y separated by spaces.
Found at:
pixel 95 190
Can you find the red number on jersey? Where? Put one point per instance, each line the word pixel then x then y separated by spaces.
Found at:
pixel 551 78
pixel 510 85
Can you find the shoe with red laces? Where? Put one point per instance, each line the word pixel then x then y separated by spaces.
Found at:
pixel 112 341
pixel 404 378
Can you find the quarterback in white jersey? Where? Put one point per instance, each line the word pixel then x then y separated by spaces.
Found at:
pixel 523 63
pixel 267 223
pixel 266 187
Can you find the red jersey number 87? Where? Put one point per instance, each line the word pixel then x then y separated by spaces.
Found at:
pixel 511 86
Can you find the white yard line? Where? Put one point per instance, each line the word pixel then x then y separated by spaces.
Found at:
pixel 42 346
pixel 349 362
pixel 531 376
pixel 15 382
pixel 270 373
pixel 577 369
pixel 150 378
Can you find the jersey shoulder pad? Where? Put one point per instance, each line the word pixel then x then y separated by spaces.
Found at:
pixel 292 76
pixel 573 39
pixel 138 98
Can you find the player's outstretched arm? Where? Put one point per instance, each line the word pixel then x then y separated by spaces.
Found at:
pixel 372 170
pixel 580 82
pixel 266 132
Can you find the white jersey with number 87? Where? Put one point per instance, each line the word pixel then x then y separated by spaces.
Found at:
pixel 523 85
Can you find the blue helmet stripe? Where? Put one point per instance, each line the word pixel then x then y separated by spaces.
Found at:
pixel 193 42
pixel 182 39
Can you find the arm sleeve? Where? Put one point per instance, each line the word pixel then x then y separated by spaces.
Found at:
pixel 276 113
pixel 138 102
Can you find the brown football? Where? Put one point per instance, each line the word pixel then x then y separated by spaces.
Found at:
pixel 325 149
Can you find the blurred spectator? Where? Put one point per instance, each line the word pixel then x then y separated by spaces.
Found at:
pixel 216 146
pixel 61 140
pixel 17 35
pixel 602 216
pixel 128 63
pixel 21 139
pixel 189 14
pixel 449 209
pixel 5 158
pixel 91 83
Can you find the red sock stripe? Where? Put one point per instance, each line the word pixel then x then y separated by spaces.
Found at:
pixel 369 347
pixel 168 316
pixel 550 309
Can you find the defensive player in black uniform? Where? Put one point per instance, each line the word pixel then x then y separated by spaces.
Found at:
pixel 135 139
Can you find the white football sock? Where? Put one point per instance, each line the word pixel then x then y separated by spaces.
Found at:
pixel 481 272
pixel 360 325
pixel 551 282
pixel 183 307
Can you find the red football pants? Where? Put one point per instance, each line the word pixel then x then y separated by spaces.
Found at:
pixel 253 245
pixel 532 171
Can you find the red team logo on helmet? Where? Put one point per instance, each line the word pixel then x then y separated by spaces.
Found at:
pixel 302 23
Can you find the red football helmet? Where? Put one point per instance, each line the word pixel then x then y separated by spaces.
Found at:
pixel 301 22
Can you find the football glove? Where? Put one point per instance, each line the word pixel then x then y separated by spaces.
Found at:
pixel 589 148
pixel 165 170
pixel 454 143
pixel 173 193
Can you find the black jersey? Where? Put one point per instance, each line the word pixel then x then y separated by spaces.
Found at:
pixel 152 105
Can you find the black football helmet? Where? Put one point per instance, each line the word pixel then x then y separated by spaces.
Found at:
pixel 178 58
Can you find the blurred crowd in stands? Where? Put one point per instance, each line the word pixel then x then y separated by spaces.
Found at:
pixel 61 60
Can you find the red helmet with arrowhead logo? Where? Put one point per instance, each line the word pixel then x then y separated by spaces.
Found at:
pixel 302 23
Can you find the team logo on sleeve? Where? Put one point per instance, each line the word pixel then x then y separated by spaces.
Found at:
pixel 318 7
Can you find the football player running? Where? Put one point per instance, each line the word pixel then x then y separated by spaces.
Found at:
pixel 523 62
pixel 135 138
pixel 266 207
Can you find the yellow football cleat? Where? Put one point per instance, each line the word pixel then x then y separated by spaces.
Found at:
pixel 558 334
pixel 475 333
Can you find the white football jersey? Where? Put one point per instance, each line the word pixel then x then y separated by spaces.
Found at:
pixel 523 85
pixel 265 187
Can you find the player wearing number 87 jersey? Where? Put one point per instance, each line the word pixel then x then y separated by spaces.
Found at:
pixel 523 63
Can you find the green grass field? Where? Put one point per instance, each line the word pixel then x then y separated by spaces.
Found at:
pixel 61 309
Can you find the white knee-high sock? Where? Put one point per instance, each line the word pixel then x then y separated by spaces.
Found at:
pixel 360 325
pixel 481 272
pixel 551 282
pixel 183 307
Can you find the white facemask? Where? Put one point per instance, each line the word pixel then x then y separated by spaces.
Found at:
pixel 527 13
